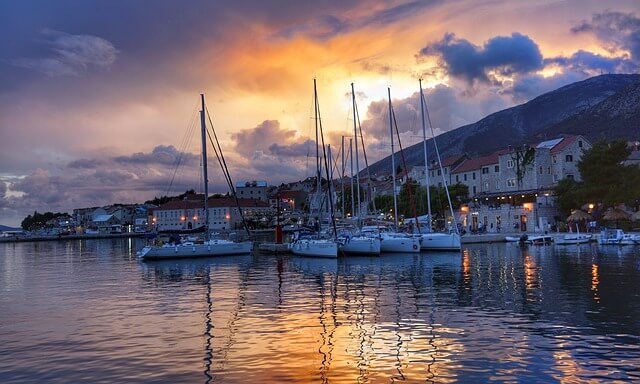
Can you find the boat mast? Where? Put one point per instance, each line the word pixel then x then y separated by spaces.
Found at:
pixel 393 165
pixel 203 129
pixel 426 162
pixel 342 178
pixel 318 182
pixel 355 137
pixel 353 210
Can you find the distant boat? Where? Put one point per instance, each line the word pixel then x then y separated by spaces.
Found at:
pixel 208 247
pixel 617 237
pixel 579 238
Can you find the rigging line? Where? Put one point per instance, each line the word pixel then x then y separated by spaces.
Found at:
pixel 226 173
pixel 182 149
pixel 444 181
pixel 366 161
pixel 324 152
pixel 412 201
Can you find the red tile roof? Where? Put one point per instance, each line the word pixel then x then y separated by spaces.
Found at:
pixel 566 141
pixel 447 161
pixel 479 162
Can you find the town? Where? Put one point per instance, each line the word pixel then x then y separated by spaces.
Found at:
pixel 511 190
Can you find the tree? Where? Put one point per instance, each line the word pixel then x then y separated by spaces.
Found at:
pixel 605 178
pixel 522 159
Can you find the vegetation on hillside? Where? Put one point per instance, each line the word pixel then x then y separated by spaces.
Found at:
pixel 38 220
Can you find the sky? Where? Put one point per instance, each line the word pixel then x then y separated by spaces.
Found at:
pixel 99 99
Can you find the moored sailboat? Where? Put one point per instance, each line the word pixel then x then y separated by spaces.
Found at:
pixel 208 247
pixel 429 240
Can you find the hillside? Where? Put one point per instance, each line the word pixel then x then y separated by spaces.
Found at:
pixel 611 98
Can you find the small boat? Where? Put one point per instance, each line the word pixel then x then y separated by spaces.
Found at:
pixel 578 238
pixel 617 237
pixel 439 241
pixel 530 239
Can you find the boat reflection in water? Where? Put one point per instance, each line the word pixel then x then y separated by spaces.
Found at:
pixel 492 312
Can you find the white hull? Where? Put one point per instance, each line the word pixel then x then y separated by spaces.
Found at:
pixel 314 248
pixel 439 241
pixel 399 244
pixel 573 239
pixel 359 246
pixel 618 237
pixel 188 250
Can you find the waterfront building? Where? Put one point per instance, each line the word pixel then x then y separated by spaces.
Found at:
pixel 224 215
pixel 449 165
pixel 252 190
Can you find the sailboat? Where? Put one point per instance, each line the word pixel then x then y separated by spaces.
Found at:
pixel 430 240
pixel 316 247
pixel 209 247
pixel 393 241
pixel 355 242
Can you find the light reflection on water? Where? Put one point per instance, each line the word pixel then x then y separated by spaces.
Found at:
pixel 90 312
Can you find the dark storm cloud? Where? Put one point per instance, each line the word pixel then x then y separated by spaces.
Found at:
pixel 617 30
pixel 327 26
pixel 527 87
pixel 69 55
pixel 506 55
pixel 584 61
pixel 162 154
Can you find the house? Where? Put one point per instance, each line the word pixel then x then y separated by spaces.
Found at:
pixel 436 171
pixel 252 190
pixel 106 224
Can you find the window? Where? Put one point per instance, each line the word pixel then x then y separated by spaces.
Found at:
pixel 465 177
pixel 548 170
pixel 511 182
pixel 580 143
pixel 568 158
pixel 509 163
pixel 457 179
pixel 555 178
pixel 445 171
pixel 555 159
pixel 474 175
pixel 497 169
pixel 439 172
pixel 570 176
pixel 498 185
pixel 486 185
pixel 485 170
pixel 474 189
pixel 540 171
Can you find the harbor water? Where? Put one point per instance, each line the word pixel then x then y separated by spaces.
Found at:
pixel 87 311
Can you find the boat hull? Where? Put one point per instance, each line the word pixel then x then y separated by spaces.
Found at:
pixel 573 239
pixel 360 246
pixel 190 250
pixel 314 248
pixel 390 244
pixel 440 242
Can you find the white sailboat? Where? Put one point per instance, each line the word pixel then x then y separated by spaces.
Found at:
pixel 429 240
pixel 316 247
pixel 209 247
pixel 355 242
pixel 573 238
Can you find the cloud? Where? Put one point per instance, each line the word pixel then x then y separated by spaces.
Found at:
pixel 263 137
pixel 71 54
pixel 162 154
pixel 293 150
pixel 327 26
pixel 85 163
pixel 618 31
pixel 527 87
pixel 503 55
pixel 592 63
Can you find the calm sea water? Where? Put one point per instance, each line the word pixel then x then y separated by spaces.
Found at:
pixel 88 311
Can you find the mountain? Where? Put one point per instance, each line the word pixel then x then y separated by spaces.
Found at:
pixel 5 228
pixel 616 117
pixel 601 106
